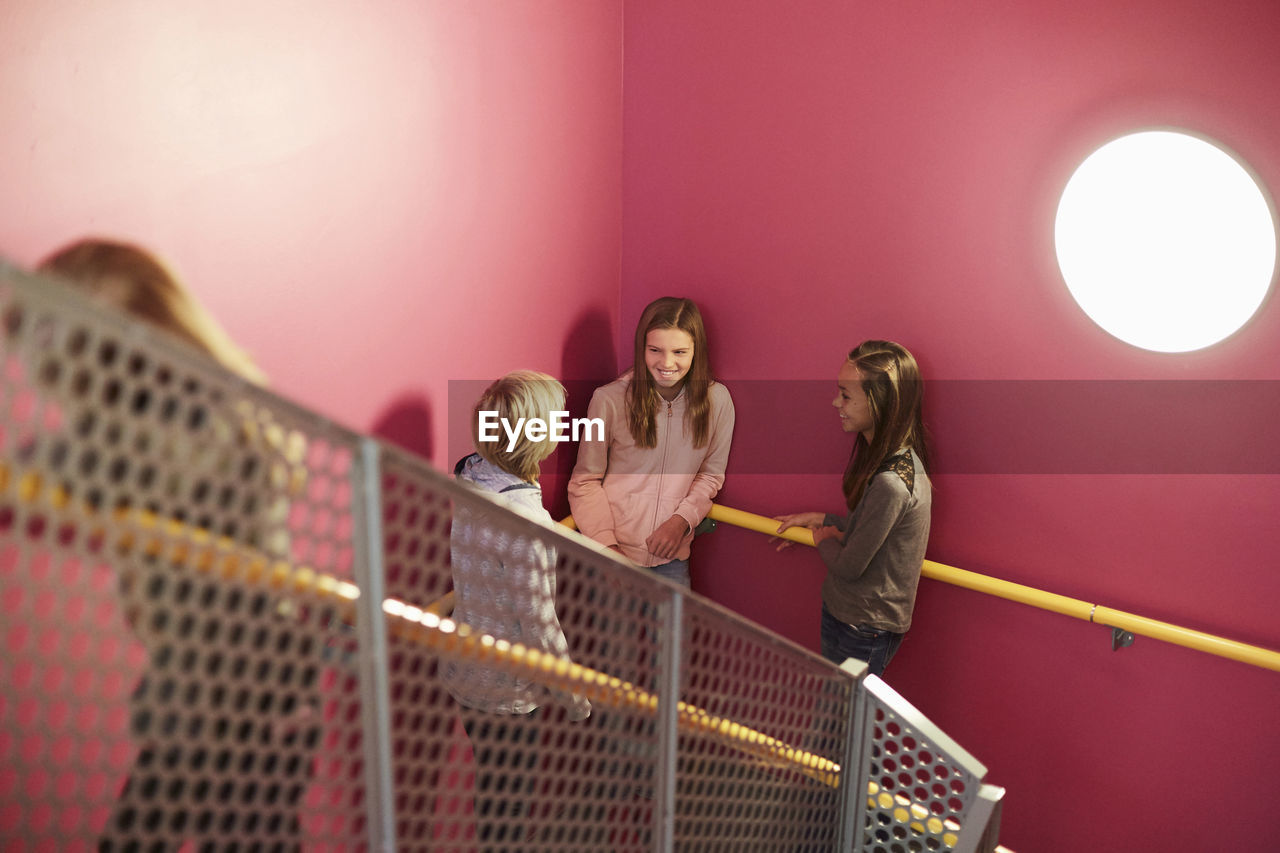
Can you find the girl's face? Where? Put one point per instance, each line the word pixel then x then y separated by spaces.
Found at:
pixel 851 402
pixel 668 355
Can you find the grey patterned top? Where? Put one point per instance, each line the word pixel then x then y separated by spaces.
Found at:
pixel 505 585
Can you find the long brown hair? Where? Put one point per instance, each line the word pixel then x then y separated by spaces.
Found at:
pixel 135 281
pixel 670 312
pixel 895 397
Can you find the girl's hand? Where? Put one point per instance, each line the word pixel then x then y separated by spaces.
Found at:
pixel 824 533
pixel 812 520
pixel 579 708
pixel 665 541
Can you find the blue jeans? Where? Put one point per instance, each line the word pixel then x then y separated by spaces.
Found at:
pixel 676 570
pixel 873 645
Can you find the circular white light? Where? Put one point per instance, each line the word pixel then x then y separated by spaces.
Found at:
pixel 1165 241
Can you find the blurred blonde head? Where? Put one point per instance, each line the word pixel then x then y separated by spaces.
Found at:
pixel 520 394
pixel 133 280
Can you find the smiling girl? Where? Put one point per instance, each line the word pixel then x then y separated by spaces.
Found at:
pixel 874 555
pixel 667 428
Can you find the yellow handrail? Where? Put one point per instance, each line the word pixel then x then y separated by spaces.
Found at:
pixel 1192 639
pixel 425 628
pixel 194 548
pixel 1031 596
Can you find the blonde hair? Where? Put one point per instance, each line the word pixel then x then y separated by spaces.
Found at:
pixel 132 279
pixel 520 394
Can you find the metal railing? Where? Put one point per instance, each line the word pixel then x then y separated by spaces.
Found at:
pixel 211 629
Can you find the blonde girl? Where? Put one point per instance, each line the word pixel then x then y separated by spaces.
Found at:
pixel 505 586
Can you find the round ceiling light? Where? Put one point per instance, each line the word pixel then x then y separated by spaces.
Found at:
pixel 1166 241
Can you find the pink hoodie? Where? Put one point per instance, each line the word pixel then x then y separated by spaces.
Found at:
pixel 620 493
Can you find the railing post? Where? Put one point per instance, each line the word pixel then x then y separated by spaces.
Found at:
pixel 851 802
pixel 671 619
pixel 373 660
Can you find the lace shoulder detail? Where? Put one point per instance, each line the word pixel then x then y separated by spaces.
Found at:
pixel 904 467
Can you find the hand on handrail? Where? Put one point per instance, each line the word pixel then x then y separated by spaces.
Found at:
pixel 810 520
pixel 1075 608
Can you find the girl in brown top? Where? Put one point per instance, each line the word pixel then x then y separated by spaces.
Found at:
pixel 873 555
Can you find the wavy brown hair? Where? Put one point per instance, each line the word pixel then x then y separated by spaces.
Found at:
pixel 670 312
pixel 895 397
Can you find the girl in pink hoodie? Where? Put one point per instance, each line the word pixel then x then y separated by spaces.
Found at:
pixel 667 428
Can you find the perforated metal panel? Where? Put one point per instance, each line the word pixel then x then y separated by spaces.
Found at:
pixel 184 564
pixel 416 518
pixel 730 796
pixel 749 703
pixel 162 682
pixel 580 785
pixel 920 784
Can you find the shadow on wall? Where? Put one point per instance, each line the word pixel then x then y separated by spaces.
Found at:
pixel 588 359
pixel 589 352
pixel 406 423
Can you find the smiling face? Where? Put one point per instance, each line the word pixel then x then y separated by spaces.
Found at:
pixel 668 355
pixel 851 402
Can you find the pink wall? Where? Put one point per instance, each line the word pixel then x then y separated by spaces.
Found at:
pixel 818 173
pixel 376 198
pixel 347 184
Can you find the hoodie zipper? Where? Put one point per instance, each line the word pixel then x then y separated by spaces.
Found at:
pixel 662 471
